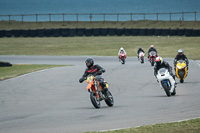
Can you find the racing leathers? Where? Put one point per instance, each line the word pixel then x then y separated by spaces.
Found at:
pixel 152 49
pixel 164 64
pixel 140 50
pixel 181 57
pixel 96 71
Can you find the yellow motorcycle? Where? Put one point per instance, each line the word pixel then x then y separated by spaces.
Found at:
pixel 181 70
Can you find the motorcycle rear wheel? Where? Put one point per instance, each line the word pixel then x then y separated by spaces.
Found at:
pixel 96 103
pixel 109 99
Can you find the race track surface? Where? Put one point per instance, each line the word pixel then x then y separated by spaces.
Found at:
pixel 53 101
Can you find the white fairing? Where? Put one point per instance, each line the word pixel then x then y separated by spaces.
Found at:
pixel 162 75
pixel 141 54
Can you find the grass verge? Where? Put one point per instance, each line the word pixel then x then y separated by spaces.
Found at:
pixel 4 25
pixel 16 70
pixel 167 46
pixel 190 126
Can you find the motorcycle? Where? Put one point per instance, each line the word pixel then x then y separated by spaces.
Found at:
pixel 122 58
pixel 181 70
pixel 141 57
pixel 96 93
pixel 166 82
pixel 152 57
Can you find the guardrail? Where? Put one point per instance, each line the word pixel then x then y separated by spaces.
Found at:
pixel 177 16
pixel 98 32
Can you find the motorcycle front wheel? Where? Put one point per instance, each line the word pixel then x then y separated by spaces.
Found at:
pixel 96 103
pixel 109 99
pixel 166 88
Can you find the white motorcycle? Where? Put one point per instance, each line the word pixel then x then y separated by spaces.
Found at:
pixel 166 81
pixel 141 57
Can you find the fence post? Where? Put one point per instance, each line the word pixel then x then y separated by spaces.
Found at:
pixel 90 17
pixel 104 17
pixel 182 16
pixel 195 16
pixel 63 17
pixel 49 17
pixel 36 18
pixel 131 17
pixel 170 16
pixel 9 18
pixel 144 16
pixel 22 18
pixel 117 17
pixel 157 16
pixel 77 18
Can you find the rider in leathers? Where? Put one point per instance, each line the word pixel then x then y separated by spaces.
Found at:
pixel 152 49
pixel 140 50
pixel 96 71
pixel 160 63
pixel 180 56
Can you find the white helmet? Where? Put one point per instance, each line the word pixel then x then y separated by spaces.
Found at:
pixel 159 60
pixel 152 46
pixel 180 51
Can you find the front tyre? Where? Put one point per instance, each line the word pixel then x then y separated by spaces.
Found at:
pixel 109 99
pixel 96 103
pixel 152 62
pixel 123 61
pixel 166 88
pixel 174 92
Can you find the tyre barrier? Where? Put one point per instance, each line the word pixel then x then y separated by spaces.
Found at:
pixel 98 32
pixel 2 33
pixel 25 33
pixel 5 64
pixel 56 33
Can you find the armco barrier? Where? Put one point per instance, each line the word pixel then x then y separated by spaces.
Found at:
pixel 98 32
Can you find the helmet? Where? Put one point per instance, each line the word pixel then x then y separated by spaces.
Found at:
pixel 152 46
pixel 159 60
pixel 89 62
pixel 121 49
pixel 139 48
pixel 180 52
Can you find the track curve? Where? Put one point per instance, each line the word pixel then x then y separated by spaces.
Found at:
pixel 53 100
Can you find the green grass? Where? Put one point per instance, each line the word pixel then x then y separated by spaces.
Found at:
pixel 190 126
pixel 100 46
pixel 16 70
pixel 4 25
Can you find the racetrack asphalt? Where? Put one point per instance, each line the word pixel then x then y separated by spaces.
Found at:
pixel 53 101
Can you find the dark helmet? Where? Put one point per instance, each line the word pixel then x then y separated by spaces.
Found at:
pixel 159 60
pixel 89 62
pixel 139 48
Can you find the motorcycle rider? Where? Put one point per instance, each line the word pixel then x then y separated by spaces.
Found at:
pixel 160 63
pixel 96 71
pixel 152 49
pixel 180 56
pixel 140 50
pixel 121 50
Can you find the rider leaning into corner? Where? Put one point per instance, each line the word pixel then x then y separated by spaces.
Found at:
pixel 152 49
pixel 160 63
pixel 140 50
pixel 96 71
pixel 180 56
pixel 121 50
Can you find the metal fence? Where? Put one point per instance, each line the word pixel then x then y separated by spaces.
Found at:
pixel 177 16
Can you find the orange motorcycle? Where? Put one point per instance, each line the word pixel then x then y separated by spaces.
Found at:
pixel 97 94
